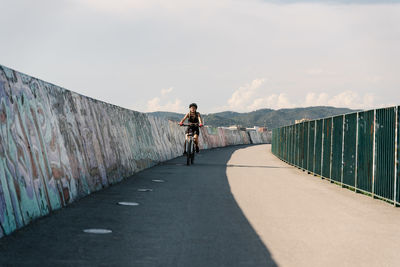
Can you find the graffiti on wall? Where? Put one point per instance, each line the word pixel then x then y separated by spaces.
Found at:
pixel 57 146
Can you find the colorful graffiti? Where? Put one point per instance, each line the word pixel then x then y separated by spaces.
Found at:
pixel 57 146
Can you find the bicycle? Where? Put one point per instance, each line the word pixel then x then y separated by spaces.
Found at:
pixel 190 145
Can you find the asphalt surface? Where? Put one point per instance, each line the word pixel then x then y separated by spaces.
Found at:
pixel 237 206
pixel 191 219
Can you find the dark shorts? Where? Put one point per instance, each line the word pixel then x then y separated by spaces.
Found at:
pixel 193 129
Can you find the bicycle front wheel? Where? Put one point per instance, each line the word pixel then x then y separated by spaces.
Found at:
pixel 193 152
pixel 189 151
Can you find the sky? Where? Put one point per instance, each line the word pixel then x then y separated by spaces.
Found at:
pixel 239 55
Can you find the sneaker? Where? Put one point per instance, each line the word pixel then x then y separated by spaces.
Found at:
pixel 197 149
pixel 184 153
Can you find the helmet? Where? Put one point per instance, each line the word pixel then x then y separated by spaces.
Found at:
pixel 193 105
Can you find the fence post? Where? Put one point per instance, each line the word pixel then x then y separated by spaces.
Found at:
pixel 292 144
pixel 298 145
pixel 373 157
pixel 285 144
pixel 302 152
pixel 330 156
pixel 322 149
pixel 395 156
pixel 315 142
pixel 341 167
pixel 356 162
pixel 308 147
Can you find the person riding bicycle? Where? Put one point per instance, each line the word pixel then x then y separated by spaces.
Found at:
pixel 193 117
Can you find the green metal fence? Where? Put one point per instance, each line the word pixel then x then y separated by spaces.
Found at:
pixel 318 147
pixel 365 148
pixel 311 146
pixel 357 150
pixel 350 149
pixel 337 149
pixel 327 147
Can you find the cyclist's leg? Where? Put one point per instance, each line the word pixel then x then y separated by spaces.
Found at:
pixel 196 141
pixel 197 134
pixel 196 131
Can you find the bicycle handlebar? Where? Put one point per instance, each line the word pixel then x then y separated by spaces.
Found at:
pixel 190 124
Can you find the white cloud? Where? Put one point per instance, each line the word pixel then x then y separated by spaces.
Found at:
pixel 163 103
pixel 156 104
pixel 242 97
pixel 313 99
pixel 251 97
pixel 349 99
pixel 274 101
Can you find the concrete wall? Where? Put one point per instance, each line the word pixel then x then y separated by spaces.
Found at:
pixel 260 137
pixel 57 146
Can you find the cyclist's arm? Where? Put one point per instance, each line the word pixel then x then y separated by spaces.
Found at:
pixel 184 118
pixel 200 119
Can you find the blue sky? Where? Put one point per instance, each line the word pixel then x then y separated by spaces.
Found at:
pixel 225 55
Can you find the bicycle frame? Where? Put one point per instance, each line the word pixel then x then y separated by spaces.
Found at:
pixel 190 145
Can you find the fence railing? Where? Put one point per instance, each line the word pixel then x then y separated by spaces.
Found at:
pixel 358 150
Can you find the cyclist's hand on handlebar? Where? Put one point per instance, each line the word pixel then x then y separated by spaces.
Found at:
pixel 181 123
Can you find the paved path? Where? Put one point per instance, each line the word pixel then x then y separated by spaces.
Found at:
pixel 306 221
pixel 238 206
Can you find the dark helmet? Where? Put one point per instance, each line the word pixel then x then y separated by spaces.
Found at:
pixel 193 105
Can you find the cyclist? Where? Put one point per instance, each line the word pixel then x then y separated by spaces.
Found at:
pixel 193 117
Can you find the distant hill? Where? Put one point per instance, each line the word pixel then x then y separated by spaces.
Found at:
pixel 269 117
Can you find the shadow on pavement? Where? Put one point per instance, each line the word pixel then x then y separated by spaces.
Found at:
pixel 242 166
pixel 191 219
